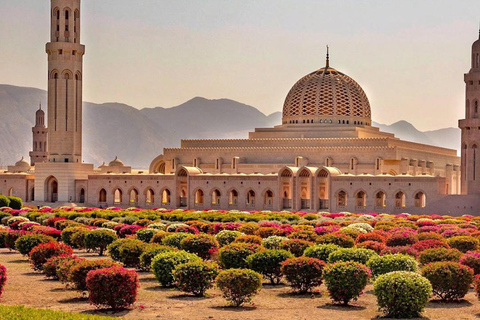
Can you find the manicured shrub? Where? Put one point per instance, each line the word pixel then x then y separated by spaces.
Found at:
pixel 41 253
pixel 269 263
pixel 352 254
pixel 273 242
pixel 402 250
pixel 320 251
pixel 307 235
pixel 345 280
pixel 249 228
pixel 128 230
pixel 99 239
pixel 429 236
pixel 3 278
pixel 67 234
pixel 78 238
pixel 402 294
pixel 302 273
pixel 371 236
pixel 235 255
pixel 64 267
pixel 158 237
pixel 429 244
pixel 163 265
pixel 463 243
pixel 48 231
pixel 476 285
pixel 151 250
pixel 50 268
pixel 114 248
pixel 11 238
pixel 295 246
pixel 398 239
pixel 146 234
pixel 130 252
pixel 4 201
pixel 113 287
pixel 26 243
pixel 378 247
pixel 265 232
pixel 16 203
pixel 450 280
pixel 340 239
pixel 248 239
pixel 203 245
pixel 225 237
pixel 80 269
pixel 3 235
pixel 439 254
pixel 472 260
pixel 195 277
pixel 174 239
pixel 239 285
pixel 391 262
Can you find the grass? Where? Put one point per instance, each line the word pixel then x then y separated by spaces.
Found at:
pixel 22 313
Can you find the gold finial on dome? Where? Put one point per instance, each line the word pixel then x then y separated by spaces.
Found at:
pixel 328 59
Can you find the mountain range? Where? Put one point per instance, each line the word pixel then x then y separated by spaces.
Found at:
pixel 137 136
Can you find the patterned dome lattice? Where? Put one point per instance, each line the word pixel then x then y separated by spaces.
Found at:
pixel 326 93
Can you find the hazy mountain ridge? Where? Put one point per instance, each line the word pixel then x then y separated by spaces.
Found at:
pixel 138 136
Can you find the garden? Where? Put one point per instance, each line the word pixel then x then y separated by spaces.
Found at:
pixel 176 264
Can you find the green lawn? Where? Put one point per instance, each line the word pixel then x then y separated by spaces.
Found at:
pixel 22 313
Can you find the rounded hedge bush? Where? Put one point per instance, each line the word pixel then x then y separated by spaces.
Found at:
pixel 50 268
pixel 225 237
pixel 340 239
pixel 320 251
pixel 64 267
pixel 402 294
pixel 295 246
pixel 78 239
pixel 163 265
pixel 273 242
pixel 11 237
pixel 269 263
pixel 391 262
pixel 41 253
pixel 195 277
pixel 463 243
pixel 113 287
pixel 408 250
pixel 99 239
pixel 239 285
pixel 174 239
pixel 450 280
pixel 345 281
pixel 4 201
pixel 302 273
pixel 3 278
pixel 151 250
pixel 146 234
pixel 26 243
pixel 472 260
pixel 439 254
pixel 114 248
pixel 79 270
pixel 67 234
pixel 400 239
pixel 130 252
pixel 203 245
pixel 235 255
pixel 16 203
pixel 378 247
pixel 352 254
pixel 476 285
pixel 429 244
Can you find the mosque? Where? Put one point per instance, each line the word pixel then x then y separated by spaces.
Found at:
pixel 324 156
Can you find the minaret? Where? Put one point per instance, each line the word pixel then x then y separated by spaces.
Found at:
pixel 65 65
pixel 40 132
pixel 471 126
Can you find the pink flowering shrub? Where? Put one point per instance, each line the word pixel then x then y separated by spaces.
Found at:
pixel 41 253
pixel 429 244
pixel 401 238
pixel 128 230
pixel 472 260
pixel 3 278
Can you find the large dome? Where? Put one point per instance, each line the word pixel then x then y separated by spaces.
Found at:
pixel 327 96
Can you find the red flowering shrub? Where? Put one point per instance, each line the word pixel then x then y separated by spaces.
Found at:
pixel 378 247
pixel 80 269
pixel 3 278
pixel 239 285
pixel 429 236
pixel 11 237
pixel 476 285
pixel 41 253
pixel 303 274
pixel 340 239
pixel 128 230
pixel 63 268
pixel 400 239
pixel 370 236
pixel 203 245
pixel 295 246
pixel 113 287
pixel 464 243
pixel 235 254
pixel 429 244
pixel 48 231
pixel 50 222
pixel 439 254
pixel 426 229
pixel 450 280
pixel 50 267
pixel 265 232
pixel 248 239
pixel 403 250
pixel 472 260
pixel 345 280
pixel 450 233
pixel 321 230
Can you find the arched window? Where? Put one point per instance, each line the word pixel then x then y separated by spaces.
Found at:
pixel 475 155
pixel 400 200
pixel 199 197
pixel 286 173
pixel 102 196
pixel 117 196
pixel 166 196
pixel 250 198
pixel 268 201
pixel 342 199
pixel 216 197
pixel 380 199
pixel 420 200
pixel 149 197
pixel 233 198
pixel 361 199
pixel 10 192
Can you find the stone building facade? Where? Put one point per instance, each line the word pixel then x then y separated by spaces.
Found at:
pixel 324 156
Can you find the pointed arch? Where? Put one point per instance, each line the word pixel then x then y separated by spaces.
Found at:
pixel 250 198
pixel 51 188
pixel 199 196
pixel 420 199
pixel 360 199
pixel 102 196
pixel 268 197
pixel 342 198
pixel 232 197
pixel 117 196
pixel 216 196
pixel 400 199
pixel 149 196
pixel 133 196
pixel 166 196
pixel 380 199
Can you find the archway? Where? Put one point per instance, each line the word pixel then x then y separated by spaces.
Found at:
pixel 52 189
pixel 117 196
pixel 400 200
pixel 199 196
pixel 233 198
pixel 10 192
pixel 102 196
pixel 323 188
pixel 166 197
pixel 268 200
pixel 216 197
pixel 82 196
pixel 149 197
pixel 341 199
pixel 380 199
pixel 361 199
pixel 420 200
pixel 250 198
pixel 133 197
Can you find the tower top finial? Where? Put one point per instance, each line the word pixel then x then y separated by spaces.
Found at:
pixel 40 106
pixel 328 58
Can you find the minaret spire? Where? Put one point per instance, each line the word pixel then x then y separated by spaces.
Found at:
pixel 328 58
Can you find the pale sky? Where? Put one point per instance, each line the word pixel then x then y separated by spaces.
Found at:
pixel 409 56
